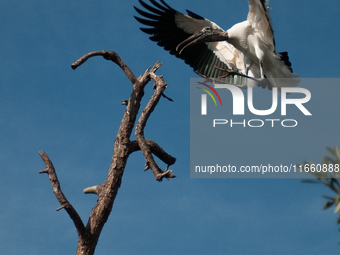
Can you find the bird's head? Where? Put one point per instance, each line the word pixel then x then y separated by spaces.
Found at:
pixel 207 34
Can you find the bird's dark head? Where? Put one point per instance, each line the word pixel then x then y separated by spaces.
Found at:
pixel 207 34
pixel 207 30
pixel 214 35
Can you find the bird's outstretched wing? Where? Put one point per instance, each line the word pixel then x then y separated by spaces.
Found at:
pixel 169 28
pixel 277 67
pixel 261 21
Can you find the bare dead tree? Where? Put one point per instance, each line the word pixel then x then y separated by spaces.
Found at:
pixel 88 235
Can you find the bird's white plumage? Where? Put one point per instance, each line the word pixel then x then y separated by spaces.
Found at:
pixel 228 54
pixel 249 48
pixel 254 37
pixel 260 20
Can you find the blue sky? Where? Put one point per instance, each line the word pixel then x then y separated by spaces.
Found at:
pixel 74 116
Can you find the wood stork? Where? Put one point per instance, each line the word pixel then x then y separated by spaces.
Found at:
pixel 247 48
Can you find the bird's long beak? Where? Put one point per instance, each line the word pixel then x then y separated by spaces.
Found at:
pixel 195 38
pixel 205 35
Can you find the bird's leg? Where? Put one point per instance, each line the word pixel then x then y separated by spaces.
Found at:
pixel 207 79
pixel 247 66
pixel 232 72
pixel 229 72
pixel 263 81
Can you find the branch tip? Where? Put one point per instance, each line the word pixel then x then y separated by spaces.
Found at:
pixel 108 55
pixel 92 190
pixel 146 167
pixel 166 174
pixel 170 99
pixel 61 207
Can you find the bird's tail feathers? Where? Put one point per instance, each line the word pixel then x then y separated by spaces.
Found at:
pixel 284 57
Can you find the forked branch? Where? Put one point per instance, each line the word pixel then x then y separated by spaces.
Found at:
pixel 156 150
pixel 88 236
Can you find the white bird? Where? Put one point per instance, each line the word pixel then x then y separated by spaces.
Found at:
pixel 246 50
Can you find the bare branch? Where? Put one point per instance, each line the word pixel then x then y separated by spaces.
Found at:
pixel 156 150
pixel 108 55
pixel 84 58
pixel 160 86
pixel 88 236
pixel 65 204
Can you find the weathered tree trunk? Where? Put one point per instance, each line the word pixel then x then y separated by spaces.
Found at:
pixel 88 236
